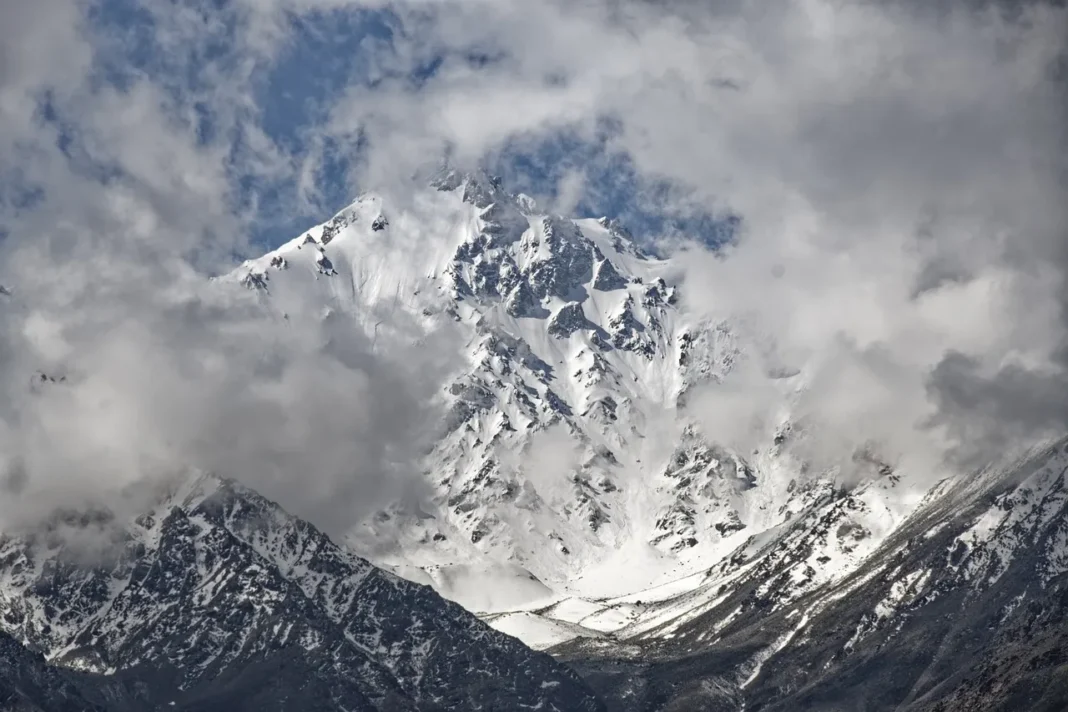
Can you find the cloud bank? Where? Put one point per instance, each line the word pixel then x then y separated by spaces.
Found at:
pixel 898 169
pixel 900 173
pixel 121 361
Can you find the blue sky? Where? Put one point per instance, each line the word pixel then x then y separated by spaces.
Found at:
pixel 671 117
pixel 328 54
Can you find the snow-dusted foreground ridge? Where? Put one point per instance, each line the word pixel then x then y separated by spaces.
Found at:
pixel 577 502
pixel 215 598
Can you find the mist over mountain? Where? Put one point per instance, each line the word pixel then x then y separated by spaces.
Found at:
pixel 352 351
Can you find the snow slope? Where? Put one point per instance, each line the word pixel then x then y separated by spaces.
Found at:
pixel 569 471
pixel 962 607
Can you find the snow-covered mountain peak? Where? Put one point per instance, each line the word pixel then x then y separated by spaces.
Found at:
pixel 567 437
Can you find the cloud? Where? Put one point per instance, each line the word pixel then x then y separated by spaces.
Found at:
pixel 148 378
pixel 902 224
pixel 135 373
pixel 121 360
pixel 898 169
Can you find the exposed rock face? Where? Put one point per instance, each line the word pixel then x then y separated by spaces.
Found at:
pixel 606 278
pixel 568 320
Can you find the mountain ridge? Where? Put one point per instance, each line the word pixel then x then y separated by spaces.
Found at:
pixel 578 504
pixel 216 582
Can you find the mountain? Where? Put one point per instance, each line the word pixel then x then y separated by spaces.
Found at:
pixel 572 344
pixel 577 501
pixel 570 469
pixel 574 498
pixel 215 598
pixel 962 607
pixel 29 684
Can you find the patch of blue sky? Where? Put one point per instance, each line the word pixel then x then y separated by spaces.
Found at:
pixel 186 62
pixel 68 140
pixel 612 186
pixel 325 54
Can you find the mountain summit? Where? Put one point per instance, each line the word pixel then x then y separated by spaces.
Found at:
pixel 570 467
pixel 578 502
